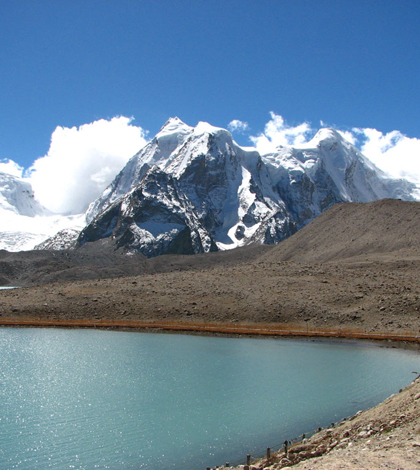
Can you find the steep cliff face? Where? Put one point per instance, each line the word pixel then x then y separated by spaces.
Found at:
pixel 155 217
pixel 192 190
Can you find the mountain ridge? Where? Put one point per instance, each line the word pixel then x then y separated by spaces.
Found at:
pixel 208 194
pixel 235 196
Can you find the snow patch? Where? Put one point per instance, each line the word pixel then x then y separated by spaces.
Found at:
pixel 156 228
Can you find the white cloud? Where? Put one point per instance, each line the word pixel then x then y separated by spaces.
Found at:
pixel 238 126
pixel 10 167
pixel 82 161
pixel 277 132
pixel 393 152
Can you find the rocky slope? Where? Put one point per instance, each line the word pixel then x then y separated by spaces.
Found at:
pixel 386 229
pixel 194 190
pixel 374 290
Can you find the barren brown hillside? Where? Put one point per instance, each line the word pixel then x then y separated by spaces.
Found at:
pixel 355 268
pixel 373 230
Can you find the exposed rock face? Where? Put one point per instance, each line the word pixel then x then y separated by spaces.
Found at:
pixel 62 240
pixel 193 190
pixel 145 221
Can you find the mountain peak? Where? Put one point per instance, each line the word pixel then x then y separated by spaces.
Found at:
pixel 174 125
pixel 325 135
pixel 206 128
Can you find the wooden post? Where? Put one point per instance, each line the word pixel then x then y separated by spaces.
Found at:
pixel 268 453
pixel 248 459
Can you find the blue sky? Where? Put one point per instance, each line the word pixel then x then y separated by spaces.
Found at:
pixel 350 64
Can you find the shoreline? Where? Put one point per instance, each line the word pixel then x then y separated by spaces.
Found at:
pixel 256 330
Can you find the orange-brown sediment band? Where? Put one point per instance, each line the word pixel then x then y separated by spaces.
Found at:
pixel 249 329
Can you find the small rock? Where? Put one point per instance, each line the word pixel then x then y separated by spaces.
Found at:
pixel 300 448
pixel 333 444
pixel 356 415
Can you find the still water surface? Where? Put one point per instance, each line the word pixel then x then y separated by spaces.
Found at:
pixel 85 399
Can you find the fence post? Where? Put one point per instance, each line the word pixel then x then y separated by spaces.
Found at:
pixel 268 453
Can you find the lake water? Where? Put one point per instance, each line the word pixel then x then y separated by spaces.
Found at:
pixel 85 399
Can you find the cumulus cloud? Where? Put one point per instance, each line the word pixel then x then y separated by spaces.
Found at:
pixel 393 152
pixel 278 132
pixel 82 161
pixel 11 167
pixel 238 126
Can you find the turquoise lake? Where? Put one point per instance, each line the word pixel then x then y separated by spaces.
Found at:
pixel 87 399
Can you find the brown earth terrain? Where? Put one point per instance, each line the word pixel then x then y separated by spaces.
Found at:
pixel 354 271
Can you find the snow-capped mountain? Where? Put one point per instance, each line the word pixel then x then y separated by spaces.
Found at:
pixel 18 197
pixel 328 169
pixel 193 189
pixel 24 223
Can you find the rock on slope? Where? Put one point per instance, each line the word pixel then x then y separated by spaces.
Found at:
pixel 193 190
